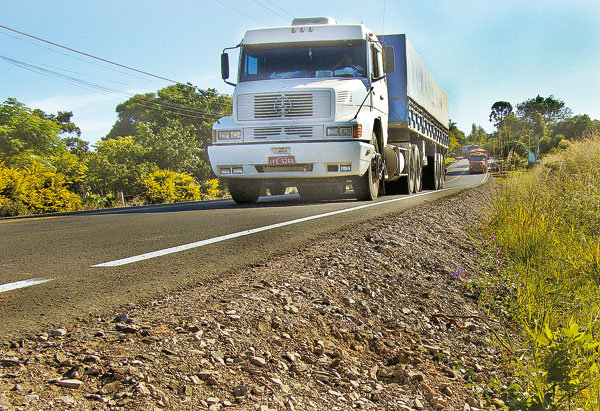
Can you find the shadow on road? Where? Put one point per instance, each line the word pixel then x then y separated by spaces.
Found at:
pixel 225 204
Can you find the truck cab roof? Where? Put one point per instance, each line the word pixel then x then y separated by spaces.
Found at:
pixel 307 33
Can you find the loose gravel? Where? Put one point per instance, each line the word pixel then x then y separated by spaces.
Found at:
pixel 378 316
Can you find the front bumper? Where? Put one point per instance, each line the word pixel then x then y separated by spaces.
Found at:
pixel 311 159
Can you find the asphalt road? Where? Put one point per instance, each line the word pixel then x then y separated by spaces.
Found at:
pixel 95 262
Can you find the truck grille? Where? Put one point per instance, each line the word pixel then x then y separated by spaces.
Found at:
pixel 284 106
pixel 283 132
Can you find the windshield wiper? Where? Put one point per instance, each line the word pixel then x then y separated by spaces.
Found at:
pixel 363 102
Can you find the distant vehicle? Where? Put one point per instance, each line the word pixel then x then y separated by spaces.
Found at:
pixel 493 165
pixel 320 106
pixel 478 161
pixel 468 147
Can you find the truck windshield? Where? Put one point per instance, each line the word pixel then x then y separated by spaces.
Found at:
pixel 478 157
pixel 339 60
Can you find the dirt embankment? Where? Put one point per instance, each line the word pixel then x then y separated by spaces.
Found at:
pixel 370 318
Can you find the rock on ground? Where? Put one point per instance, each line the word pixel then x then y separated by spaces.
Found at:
pixel 357 320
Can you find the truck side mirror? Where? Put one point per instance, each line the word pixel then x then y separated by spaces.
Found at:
pixel 389 61
pixel 224 66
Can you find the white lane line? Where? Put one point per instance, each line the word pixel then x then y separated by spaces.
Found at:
pixel 22 284
pixel 202 243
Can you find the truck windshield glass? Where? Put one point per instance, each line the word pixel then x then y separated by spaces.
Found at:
pixel 478 157
pixel 303 62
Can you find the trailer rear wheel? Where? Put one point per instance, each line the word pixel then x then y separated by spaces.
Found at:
pixel 433 172
pixel 442 171
pixel 366 187
pixel 440 177
pixel 244 191
pixel 418 170
pixel 408 183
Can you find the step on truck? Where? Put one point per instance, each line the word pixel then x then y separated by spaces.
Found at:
pixel 323 107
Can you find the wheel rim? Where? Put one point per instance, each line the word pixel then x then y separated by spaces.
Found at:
pixel 374 172
pixel 418 171
pixel 411 174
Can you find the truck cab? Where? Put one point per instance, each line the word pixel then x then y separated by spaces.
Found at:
pixel 310 110
pixel 478 161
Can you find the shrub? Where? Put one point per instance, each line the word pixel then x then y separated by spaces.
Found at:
pixel 211 189
pixel 165 186
pixel 35 189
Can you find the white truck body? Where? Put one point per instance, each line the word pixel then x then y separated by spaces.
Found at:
pixel 313 108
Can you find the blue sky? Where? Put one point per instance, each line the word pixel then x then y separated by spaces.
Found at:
pixel 478 51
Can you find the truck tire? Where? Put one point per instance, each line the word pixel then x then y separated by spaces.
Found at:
pixel 366 187
pixel 277 189
pixel 407 183
pixel 432 172
pixel 418 170
pixel 244 191
pixel 441 173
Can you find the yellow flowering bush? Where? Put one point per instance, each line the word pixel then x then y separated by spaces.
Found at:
pixel 165 186
pixel 35 189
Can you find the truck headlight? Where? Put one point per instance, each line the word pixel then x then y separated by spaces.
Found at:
pixel 229 135
pixel 339 131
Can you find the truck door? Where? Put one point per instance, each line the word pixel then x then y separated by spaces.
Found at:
pixel 379 95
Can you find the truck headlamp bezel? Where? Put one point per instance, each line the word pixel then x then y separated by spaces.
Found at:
pixel 226 135
pixel 339 131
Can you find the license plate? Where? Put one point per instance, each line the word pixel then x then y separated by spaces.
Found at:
pixel 282 160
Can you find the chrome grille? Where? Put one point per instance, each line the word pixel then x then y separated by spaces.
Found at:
pixel 303 132
pixel 266 132
pixel 283 132
pixel 284 105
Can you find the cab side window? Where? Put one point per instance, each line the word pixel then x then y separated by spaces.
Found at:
pixel 377 62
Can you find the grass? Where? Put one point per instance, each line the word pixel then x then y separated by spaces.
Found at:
pixel 542 250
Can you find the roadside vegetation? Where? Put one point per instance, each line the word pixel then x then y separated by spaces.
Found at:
pixel 542 246
pixel 529 130
pixel 155 153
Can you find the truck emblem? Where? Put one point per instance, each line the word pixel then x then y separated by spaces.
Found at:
pixel 282 105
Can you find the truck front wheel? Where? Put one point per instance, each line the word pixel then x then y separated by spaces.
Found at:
pixel 244 191
pixel 366 187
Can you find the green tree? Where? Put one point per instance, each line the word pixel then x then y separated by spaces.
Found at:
pixel 457 137
pixel 24 133
pixel 477 136
pixel 576 127
pixel 500 110
pixel 175 124
pixel 77 146
pixel 175 146
pixel 117 166
pixel 551 109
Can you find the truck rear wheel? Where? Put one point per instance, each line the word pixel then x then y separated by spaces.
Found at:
pixel 441 174
pixel 366 187
pixel 408 183
pixel 432 173
pixel 418 170
pixel 244 191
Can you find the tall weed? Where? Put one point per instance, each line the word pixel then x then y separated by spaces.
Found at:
pixel 544 234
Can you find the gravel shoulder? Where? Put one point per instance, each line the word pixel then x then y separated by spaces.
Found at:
pixel 369 318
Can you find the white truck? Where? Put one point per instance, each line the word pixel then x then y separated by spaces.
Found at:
pixel 323 107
